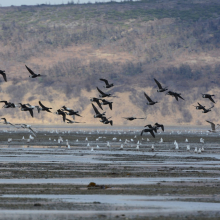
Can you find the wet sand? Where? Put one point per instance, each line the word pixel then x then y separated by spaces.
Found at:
pixel 43 179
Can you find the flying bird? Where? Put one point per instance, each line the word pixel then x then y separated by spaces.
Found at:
pixel 28 127
pixel 103 95
pixel 159 126
pixel 105 102
pixel 44 108
pixel 7 122
pixel 150 102
pixel 33 75
pixel 174 94
pixel 161 89
pixel 97 101
pixel 72 122
pixel 8 104
pixel 97 113
pixel 213 126
pixel 107 85
pixel 199 106
pixel 71 112
pixel 106 120
pixel 207 110
pixel 208 96
pixel 132 118
pixel 154 128
pixel 2 72
pixel 24 107
pixel 60 112
pixel 150 130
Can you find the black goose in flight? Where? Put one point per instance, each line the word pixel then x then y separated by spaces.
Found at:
pixel 106 120
pixel 213 126
pixel 148 130
pixel 8 104
pixel 103 95
pixel 207 110
pixel 44 108
pixel 199 106
pixel 107 85
pixel 24 107
pixel 72 122
pixel 208 96
pixel 105 102
pixel 97 113
pixel 7 122
pixel 71 112
pixel 60 112
pixel 161 89
pixel 154 128
pixel 33 75
pixel 97 101
pixel 174 94
pixel 159 126
pixel 2 72
pixel 132 118
pixel 150 102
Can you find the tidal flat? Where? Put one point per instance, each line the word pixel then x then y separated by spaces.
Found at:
pixel 102 174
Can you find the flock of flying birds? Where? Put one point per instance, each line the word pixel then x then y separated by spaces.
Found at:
pixel 100 101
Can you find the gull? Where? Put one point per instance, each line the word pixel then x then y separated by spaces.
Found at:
pixel 188 148
pixel 7 123
pixel 152 147
pixel 121 147
pixel 186 140
pixel 199 151
pixel 213 126
pixel 195 151
pixel 28 127
pixel 2 72
pixel 161 140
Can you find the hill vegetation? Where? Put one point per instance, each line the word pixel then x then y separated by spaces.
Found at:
pixel 129 43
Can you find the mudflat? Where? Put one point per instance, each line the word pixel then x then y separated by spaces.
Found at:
pixel 102 174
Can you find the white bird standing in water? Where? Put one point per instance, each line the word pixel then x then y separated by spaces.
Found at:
pixel 195 150
pixel 97 146
pixel 188 148
pixel 161 140
pixel 121 147
pixel 152 147
pixel 137 147
pixel 186 140
pixel 176 146
pixel 199 151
